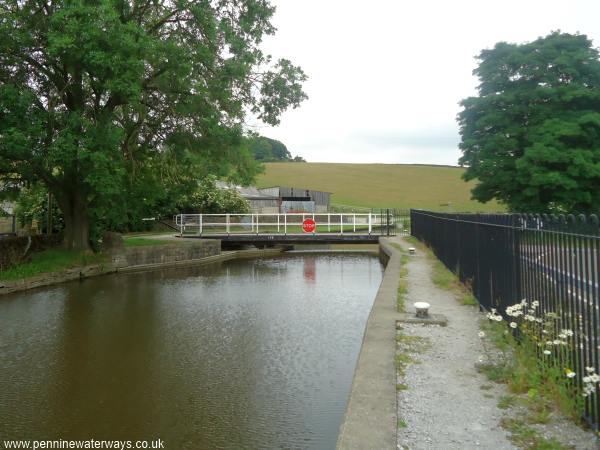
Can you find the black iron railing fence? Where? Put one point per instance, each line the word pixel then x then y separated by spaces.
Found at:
pixel 509 258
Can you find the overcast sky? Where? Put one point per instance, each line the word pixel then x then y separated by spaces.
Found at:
pixel 386 76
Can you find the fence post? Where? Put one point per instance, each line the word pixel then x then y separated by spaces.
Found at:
pixel 180 225
pixel 387 221
pixel 284 223
pixel 369 224
pixel 341 224
pixel 516 256
pixel 227 223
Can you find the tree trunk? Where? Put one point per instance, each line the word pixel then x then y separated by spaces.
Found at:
pixel 77 224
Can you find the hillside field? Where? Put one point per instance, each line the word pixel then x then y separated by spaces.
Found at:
pixel 380 185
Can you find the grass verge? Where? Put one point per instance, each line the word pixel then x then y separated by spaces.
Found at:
pixel 142 242
pixel 51 261
pixel 403 283
pixel 538 389
pixel 526 437
pixel 539 386
pixel 444 278
pixel 417 244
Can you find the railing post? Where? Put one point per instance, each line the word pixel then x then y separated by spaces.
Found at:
pixel 200 225
pixel 387 220
pixel 180 225
pixel 227 223
pixel 278 222
pixel 284 223
pixel 369 224
pixel 354 222
pixel 341 223
pixel 329 222
pixel 257 223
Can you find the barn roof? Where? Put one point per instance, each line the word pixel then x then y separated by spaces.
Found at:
pixel 248 192
pixel 296 188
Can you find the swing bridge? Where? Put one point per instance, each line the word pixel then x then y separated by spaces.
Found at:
pixel 294 228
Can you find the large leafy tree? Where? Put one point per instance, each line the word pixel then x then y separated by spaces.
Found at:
pixel 532 136
pixel 106 101
pixel 266 149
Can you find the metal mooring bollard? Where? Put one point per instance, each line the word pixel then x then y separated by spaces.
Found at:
pixel 412 250
pixel 422 309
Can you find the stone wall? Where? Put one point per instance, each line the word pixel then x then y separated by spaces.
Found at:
pixel 125 259
pixel 169 253
pixel 15 250
pixel 385 252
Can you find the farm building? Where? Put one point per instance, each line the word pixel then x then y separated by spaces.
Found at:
pixel 259 203
pixel 295 199
pixel 280 199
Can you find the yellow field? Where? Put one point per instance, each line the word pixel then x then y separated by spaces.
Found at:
pixel 380 185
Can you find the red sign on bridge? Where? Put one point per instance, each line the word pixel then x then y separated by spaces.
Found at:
pixel 309 225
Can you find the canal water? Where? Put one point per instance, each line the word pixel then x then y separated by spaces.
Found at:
pixel 240 355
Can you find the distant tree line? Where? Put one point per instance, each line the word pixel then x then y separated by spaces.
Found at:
pixel 266 149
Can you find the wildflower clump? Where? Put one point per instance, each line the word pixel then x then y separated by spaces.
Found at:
pixel 545 355
pixel 590 381
pixel 494 316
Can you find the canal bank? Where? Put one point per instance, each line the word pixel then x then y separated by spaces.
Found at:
pixel 140 259
pixel 370 420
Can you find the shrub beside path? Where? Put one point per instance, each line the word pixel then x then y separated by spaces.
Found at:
pixel 443 401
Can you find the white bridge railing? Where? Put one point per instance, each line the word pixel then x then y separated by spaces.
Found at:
pixel 291 223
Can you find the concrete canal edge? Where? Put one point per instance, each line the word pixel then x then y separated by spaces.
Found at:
pixel 141 259
pixel 370 421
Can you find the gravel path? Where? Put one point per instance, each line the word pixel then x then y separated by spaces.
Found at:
pixel 448 404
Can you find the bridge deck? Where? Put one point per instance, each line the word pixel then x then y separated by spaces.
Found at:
pixel 307 238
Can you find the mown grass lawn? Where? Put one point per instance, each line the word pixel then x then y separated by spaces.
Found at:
pixel 135 241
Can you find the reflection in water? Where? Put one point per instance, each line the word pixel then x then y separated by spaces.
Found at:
pixel 247 354
pixel 310 269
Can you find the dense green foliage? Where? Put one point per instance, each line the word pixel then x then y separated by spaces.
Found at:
pixel 120 107
pixel 51 261
pixel 209 199
pixel 532 135
pixel 265 149
pixel 33 206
